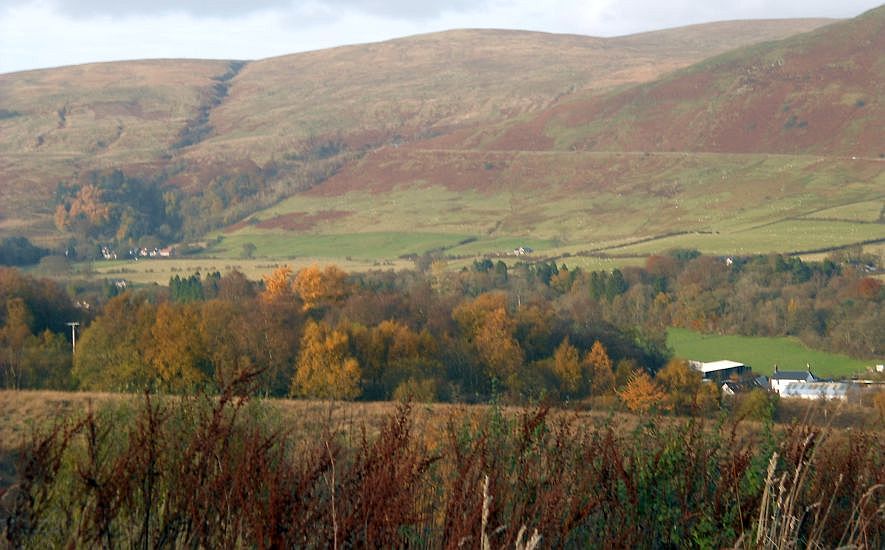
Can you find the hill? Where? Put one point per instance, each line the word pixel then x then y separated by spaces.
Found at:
pixel 768 148
pixel 289 122
pixel 817 93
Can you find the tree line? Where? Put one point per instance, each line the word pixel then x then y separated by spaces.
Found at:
pixel 525 332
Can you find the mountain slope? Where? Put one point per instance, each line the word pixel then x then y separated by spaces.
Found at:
pixel 818 93
pixel 707 157
pixel 201 121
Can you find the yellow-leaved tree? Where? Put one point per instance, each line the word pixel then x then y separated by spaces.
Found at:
pixel 178 353
pixel 278 284
pixel 686 390
pixel 324 368
pixel 599 366
pixel 318 288
pixel 567 366
pixel 641 393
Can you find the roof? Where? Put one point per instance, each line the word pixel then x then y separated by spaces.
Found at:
pixel 798 375
pixel 816 389
pixel 743 385
pixel 714 366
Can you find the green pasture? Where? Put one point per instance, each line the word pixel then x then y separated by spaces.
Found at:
pixel 762 353
pixel 572 202
pixel 867 211
pixel 374 245
pixel 785 236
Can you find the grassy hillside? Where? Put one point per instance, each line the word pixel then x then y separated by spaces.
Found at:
pixel 762 353
pixel 594 203
pixel 197 121
pixel 647 168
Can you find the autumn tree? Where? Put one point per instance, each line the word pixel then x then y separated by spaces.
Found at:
pixel 319 288
pixel 233 286
pixel 111 350
pixel 278 285
pixel 599 367
pixel 85 213
pixel 391 353
pixel 567 366
pixel 685 387
pixel 231 341
pixel 14 337
pixel 178 352
pixel 487 326
pixel 46 362
pixel 641 393
pixel 324 368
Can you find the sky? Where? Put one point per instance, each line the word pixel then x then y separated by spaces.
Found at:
pixel 51 33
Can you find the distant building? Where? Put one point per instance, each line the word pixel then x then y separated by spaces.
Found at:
pixel 720 370
pixel 733 387
pixel 841 391
pixel 781 378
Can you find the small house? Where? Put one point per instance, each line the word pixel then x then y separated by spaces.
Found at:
pixel 781 378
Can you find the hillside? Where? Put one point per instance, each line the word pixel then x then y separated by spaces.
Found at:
pixel 769 148
pixel 819 93
pixel 197 122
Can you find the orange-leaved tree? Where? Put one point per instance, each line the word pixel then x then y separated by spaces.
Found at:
pixel 278 284
pixel 318 288
pixel 685 387
pixel 641 393
pixel 488 328
pixel 324 368
pixel 567 366
pixel 599 365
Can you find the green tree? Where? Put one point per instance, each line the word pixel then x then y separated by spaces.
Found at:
pixel 111 350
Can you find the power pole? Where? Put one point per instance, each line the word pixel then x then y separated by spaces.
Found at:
pixel 73 325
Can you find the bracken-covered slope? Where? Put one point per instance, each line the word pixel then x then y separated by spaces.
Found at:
pixel 817 93
pixel 198 119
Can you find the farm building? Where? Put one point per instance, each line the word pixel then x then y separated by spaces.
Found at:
pixel 734 387
pixel 781 378
pixel 842 391
pixel 720 370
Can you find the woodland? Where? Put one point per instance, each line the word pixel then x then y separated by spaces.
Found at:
pixel 527 332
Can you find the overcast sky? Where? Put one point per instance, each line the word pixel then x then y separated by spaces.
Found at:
pixel 49 33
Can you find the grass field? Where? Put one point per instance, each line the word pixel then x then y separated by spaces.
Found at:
pixel 573 202
pixel 159 271
pixel 364 246
pixel 785 236
pixel 762 353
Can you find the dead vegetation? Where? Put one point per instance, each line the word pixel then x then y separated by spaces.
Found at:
pixel 230 472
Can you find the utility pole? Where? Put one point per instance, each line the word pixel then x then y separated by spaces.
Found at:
pixel 73 325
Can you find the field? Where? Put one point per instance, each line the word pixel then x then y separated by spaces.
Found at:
pixel 762 353
pixel 159 271
pixel 576 203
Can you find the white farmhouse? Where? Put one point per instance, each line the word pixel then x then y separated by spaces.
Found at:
pixel 781 378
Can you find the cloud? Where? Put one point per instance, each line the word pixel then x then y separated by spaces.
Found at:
pixel 46 33
pixel 398 9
